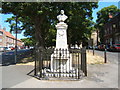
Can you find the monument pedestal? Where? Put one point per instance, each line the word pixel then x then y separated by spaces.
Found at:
pixel 61 59
pixel 61 38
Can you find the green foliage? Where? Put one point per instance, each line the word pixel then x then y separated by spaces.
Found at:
pixel 50 38
pixel 39 18
pixel 12 22
pixel 28 41
pixel 103 17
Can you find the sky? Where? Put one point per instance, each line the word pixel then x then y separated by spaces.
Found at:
pixel 101 5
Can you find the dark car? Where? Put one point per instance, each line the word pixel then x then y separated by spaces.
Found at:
pixel 108 47
pixel 90 47
pixel 96 47
pixel 115 47
pixel 101 47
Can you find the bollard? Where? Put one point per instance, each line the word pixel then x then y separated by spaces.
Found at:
pixel 105 58
pixel 88 48
pixel 93 51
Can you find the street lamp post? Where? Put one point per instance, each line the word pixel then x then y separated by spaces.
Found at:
pixel 16 42
pixel 97 37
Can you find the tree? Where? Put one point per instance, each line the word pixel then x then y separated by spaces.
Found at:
pixel 38 19
pixel 28 41
pixel 103 17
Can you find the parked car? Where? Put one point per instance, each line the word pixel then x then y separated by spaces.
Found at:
pixel 12 48
pixel 115 47
pixel 108 47
pixel 90 47
pixel 7 49
pixel 22 47
pixel 96 47
pixel 2 49
pixel 101 47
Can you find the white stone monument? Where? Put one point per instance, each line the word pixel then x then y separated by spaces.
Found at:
pixel 61 59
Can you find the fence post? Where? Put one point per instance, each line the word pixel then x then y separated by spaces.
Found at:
pixel 78 65
pixel 83 61
pixel 36 60
pixel 35 56
pixel 105 57
pixel 40 51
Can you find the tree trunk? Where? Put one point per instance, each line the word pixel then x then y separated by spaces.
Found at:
pixel 38 32
pixel 39 45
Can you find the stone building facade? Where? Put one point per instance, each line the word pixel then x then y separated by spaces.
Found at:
pixel 94 39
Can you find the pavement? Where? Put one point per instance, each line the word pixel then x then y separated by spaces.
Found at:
pixel 99 76
pixel 112 57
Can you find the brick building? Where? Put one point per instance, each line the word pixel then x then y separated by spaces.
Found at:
pixel 112 30
pixel 8 40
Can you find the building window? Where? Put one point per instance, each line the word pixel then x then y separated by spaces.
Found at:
pixel 110 29
pixel 0 40
pixel 116 39
pixel 1 33
pixel 114 26
pixel 11 40
pixel 107 30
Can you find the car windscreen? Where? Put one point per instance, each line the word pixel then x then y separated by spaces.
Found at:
pixel 6 47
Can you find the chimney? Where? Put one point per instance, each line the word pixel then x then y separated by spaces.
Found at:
pixel 110 15
pixel 4 28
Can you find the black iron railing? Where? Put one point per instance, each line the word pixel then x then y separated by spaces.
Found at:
pixel 60 63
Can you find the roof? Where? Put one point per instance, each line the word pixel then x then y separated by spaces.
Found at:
pixel 8 34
